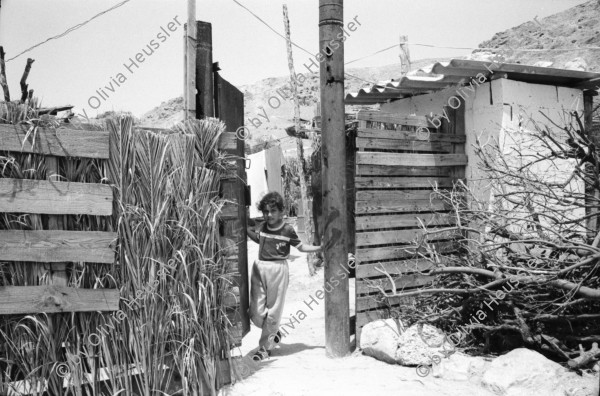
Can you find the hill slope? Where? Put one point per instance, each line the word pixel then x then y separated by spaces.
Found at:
pixel 278 113
pixel 576 27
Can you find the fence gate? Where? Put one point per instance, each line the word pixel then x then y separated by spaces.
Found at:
pixel 398 161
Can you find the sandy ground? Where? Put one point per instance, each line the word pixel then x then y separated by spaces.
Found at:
pixel 299 365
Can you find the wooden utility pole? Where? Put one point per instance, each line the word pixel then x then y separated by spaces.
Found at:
pixel 299 144
pixel 333 154
pixel 189 88
pixel 205 82
pixel 404 55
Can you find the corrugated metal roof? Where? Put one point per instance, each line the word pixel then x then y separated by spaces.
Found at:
pixel 457 72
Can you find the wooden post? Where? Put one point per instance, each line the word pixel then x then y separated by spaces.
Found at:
pixel 306 210
pixel 333 154
pixel 3 81
pixel 591 192
pixel 205 83
pixel 189 89
pixel 404 55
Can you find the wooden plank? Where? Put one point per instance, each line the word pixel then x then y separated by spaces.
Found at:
pixel 402 182
pixel 392 267
pixel 408 145
pixel 370 302
pixel 422 136
pixel 229 211
pixel 385 170
pixel 399 252
pixel 400 237
pixel 365 223
pixel 54 197
pixel 392 197
pixel 408 159
pixel 60 142
pixel 58 270
pixel 57 246
pixel 53 299
pixel 229 108
pixel 228 141
pixel 423 205
pixel 392 118
pixel 365 317
pixel 406 281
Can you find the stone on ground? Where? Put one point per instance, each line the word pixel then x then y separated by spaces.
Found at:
pixel 461 367
pixel 526 372
pixel 379 339
pixel 419 346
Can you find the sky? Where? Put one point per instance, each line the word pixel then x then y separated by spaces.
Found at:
pixel 70 69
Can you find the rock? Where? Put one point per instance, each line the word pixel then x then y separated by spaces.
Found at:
pixel 526 372
pixel 461 367
pixel 543 64
pixel 420 349
pixel 486 56
pixel 577 64
pixel 379 339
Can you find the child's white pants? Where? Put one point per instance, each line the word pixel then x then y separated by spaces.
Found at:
pixel 268 285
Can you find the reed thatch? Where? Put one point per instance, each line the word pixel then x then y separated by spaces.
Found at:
pixel 171 328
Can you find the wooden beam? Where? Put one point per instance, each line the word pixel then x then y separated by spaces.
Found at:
pixel 392 267
pixel 365 303
pixel 407 145
pixel 364 287
pixel 392 118
pixel 190 42
pixel 333 152
pixel 228 141
pixel 3 81
pixel 60 142
pixel 408 135
pixel 53 197
pixel 402 182
pixel 57 246
pixel 412 171
pixel 366 223
pixel 399 252
pixel 408 205
pixel 402 159
pixel 400 237
pixel 592 194
pixel 54 299
pixel 205 106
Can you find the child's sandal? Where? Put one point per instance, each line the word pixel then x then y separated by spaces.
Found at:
pixel 261 354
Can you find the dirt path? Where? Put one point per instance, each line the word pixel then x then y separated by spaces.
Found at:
pixel 299 365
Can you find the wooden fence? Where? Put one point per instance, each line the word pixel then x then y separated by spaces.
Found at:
pixel 398 161
pixel 54 245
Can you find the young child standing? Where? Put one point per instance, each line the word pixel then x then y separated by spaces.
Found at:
pixel 270 272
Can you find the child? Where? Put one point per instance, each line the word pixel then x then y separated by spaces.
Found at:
pixel 270 272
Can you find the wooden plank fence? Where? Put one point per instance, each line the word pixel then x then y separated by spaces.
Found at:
pixel 55 245
pixel 399 160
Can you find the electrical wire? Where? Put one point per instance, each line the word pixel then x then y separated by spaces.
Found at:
pixel 71 29
pixel 374 53
pixel 271 28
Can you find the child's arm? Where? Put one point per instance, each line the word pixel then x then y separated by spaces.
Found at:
pixel 251 230
pixel 309 248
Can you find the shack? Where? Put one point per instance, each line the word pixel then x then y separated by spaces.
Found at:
pixel 423 135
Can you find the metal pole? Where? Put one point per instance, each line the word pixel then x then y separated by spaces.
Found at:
pixel 333 152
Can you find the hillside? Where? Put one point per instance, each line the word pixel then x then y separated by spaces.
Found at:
pixel 576 27
pixel 280 115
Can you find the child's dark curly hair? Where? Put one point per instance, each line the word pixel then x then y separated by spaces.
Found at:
pixel 272 198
